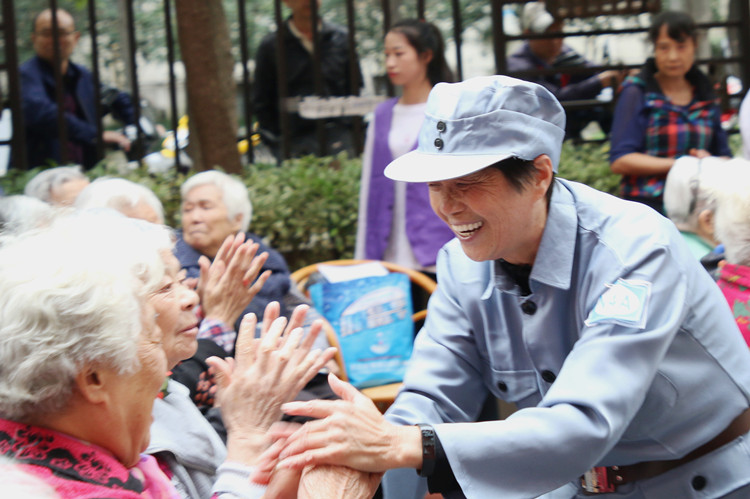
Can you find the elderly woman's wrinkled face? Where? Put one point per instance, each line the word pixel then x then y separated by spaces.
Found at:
pixel 205 220
pixel 489 217
pixel 132 396
pixel 175 308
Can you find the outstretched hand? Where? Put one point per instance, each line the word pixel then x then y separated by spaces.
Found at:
pixel 266 371
pixel 348 432
pixel 229 283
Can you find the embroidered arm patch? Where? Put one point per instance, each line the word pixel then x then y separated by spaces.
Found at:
pixel 625 302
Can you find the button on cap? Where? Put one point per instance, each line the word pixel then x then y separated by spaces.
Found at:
pixel 528 307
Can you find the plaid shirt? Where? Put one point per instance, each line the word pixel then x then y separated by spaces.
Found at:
pixel 646 121
pixel 216 331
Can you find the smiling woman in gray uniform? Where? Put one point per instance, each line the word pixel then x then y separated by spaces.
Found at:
pixel 587 311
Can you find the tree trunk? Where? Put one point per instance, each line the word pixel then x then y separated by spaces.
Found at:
pixel 206 52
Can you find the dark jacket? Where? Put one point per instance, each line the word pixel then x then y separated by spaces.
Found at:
pixel 335 69
pixel 40 111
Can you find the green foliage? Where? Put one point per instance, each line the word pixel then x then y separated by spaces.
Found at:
pixel 588 163
pixel 307 208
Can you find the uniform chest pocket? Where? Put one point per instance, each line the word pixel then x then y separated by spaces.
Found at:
pixel 514 386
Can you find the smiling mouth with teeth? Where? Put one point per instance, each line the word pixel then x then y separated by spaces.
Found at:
pixel 465 231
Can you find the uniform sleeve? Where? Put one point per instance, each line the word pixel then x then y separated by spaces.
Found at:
pixel 364 191
pixel 443 382
pixel 628 125
pixel 601 386
pixel 40 111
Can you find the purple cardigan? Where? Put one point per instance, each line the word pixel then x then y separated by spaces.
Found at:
pixel 426 232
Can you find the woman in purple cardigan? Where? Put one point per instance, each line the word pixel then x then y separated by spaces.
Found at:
pixel 396 222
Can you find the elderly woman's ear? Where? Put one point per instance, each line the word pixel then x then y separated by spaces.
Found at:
pixel 544 172
pixel 237 222
pixel 91 384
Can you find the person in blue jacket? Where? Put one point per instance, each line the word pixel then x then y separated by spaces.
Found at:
pixel 40 105
pixel 587 311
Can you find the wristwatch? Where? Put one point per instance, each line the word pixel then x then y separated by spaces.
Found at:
pixel 428 450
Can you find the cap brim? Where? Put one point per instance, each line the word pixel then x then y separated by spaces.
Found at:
pixel 417 166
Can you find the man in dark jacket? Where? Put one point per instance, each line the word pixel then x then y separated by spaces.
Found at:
pixel 552 53
pixel 40 105
pixel 335 71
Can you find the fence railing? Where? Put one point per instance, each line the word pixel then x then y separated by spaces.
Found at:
pixel 11 91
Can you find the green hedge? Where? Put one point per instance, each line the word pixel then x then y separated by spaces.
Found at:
pixel 307 208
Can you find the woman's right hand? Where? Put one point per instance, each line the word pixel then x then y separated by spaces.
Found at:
pixel 348 432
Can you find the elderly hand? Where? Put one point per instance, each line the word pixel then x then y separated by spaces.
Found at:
pixel 337 482
pixel 350 432
pixel 266 372
pixel 331 482
pixel 229 284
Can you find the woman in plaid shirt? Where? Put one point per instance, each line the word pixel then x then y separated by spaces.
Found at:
pixel 666 111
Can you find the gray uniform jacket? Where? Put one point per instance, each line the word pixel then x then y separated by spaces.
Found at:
pixel 625 351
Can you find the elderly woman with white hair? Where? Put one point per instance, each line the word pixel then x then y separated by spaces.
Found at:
pixel 129 198
pixel 732 227
pixel 86 336
pixel 81 359
pixel 57 186
pixel 19 213
pixel 689 205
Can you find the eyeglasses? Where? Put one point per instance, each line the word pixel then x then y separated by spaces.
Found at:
pixel 47 33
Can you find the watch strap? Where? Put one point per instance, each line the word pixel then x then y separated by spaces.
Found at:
pixel 428 450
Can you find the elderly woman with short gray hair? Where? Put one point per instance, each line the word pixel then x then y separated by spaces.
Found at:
pixel 129 198
pixel 81 360
pixel 86 336
pixel 57 186
pixel 731 221
pixel 216 206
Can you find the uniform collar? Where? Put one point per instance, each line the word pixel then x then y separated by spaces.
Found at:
pixel 554 260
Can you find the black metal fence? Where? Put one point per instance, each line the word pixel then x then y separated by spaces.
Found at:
pixel 11 96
